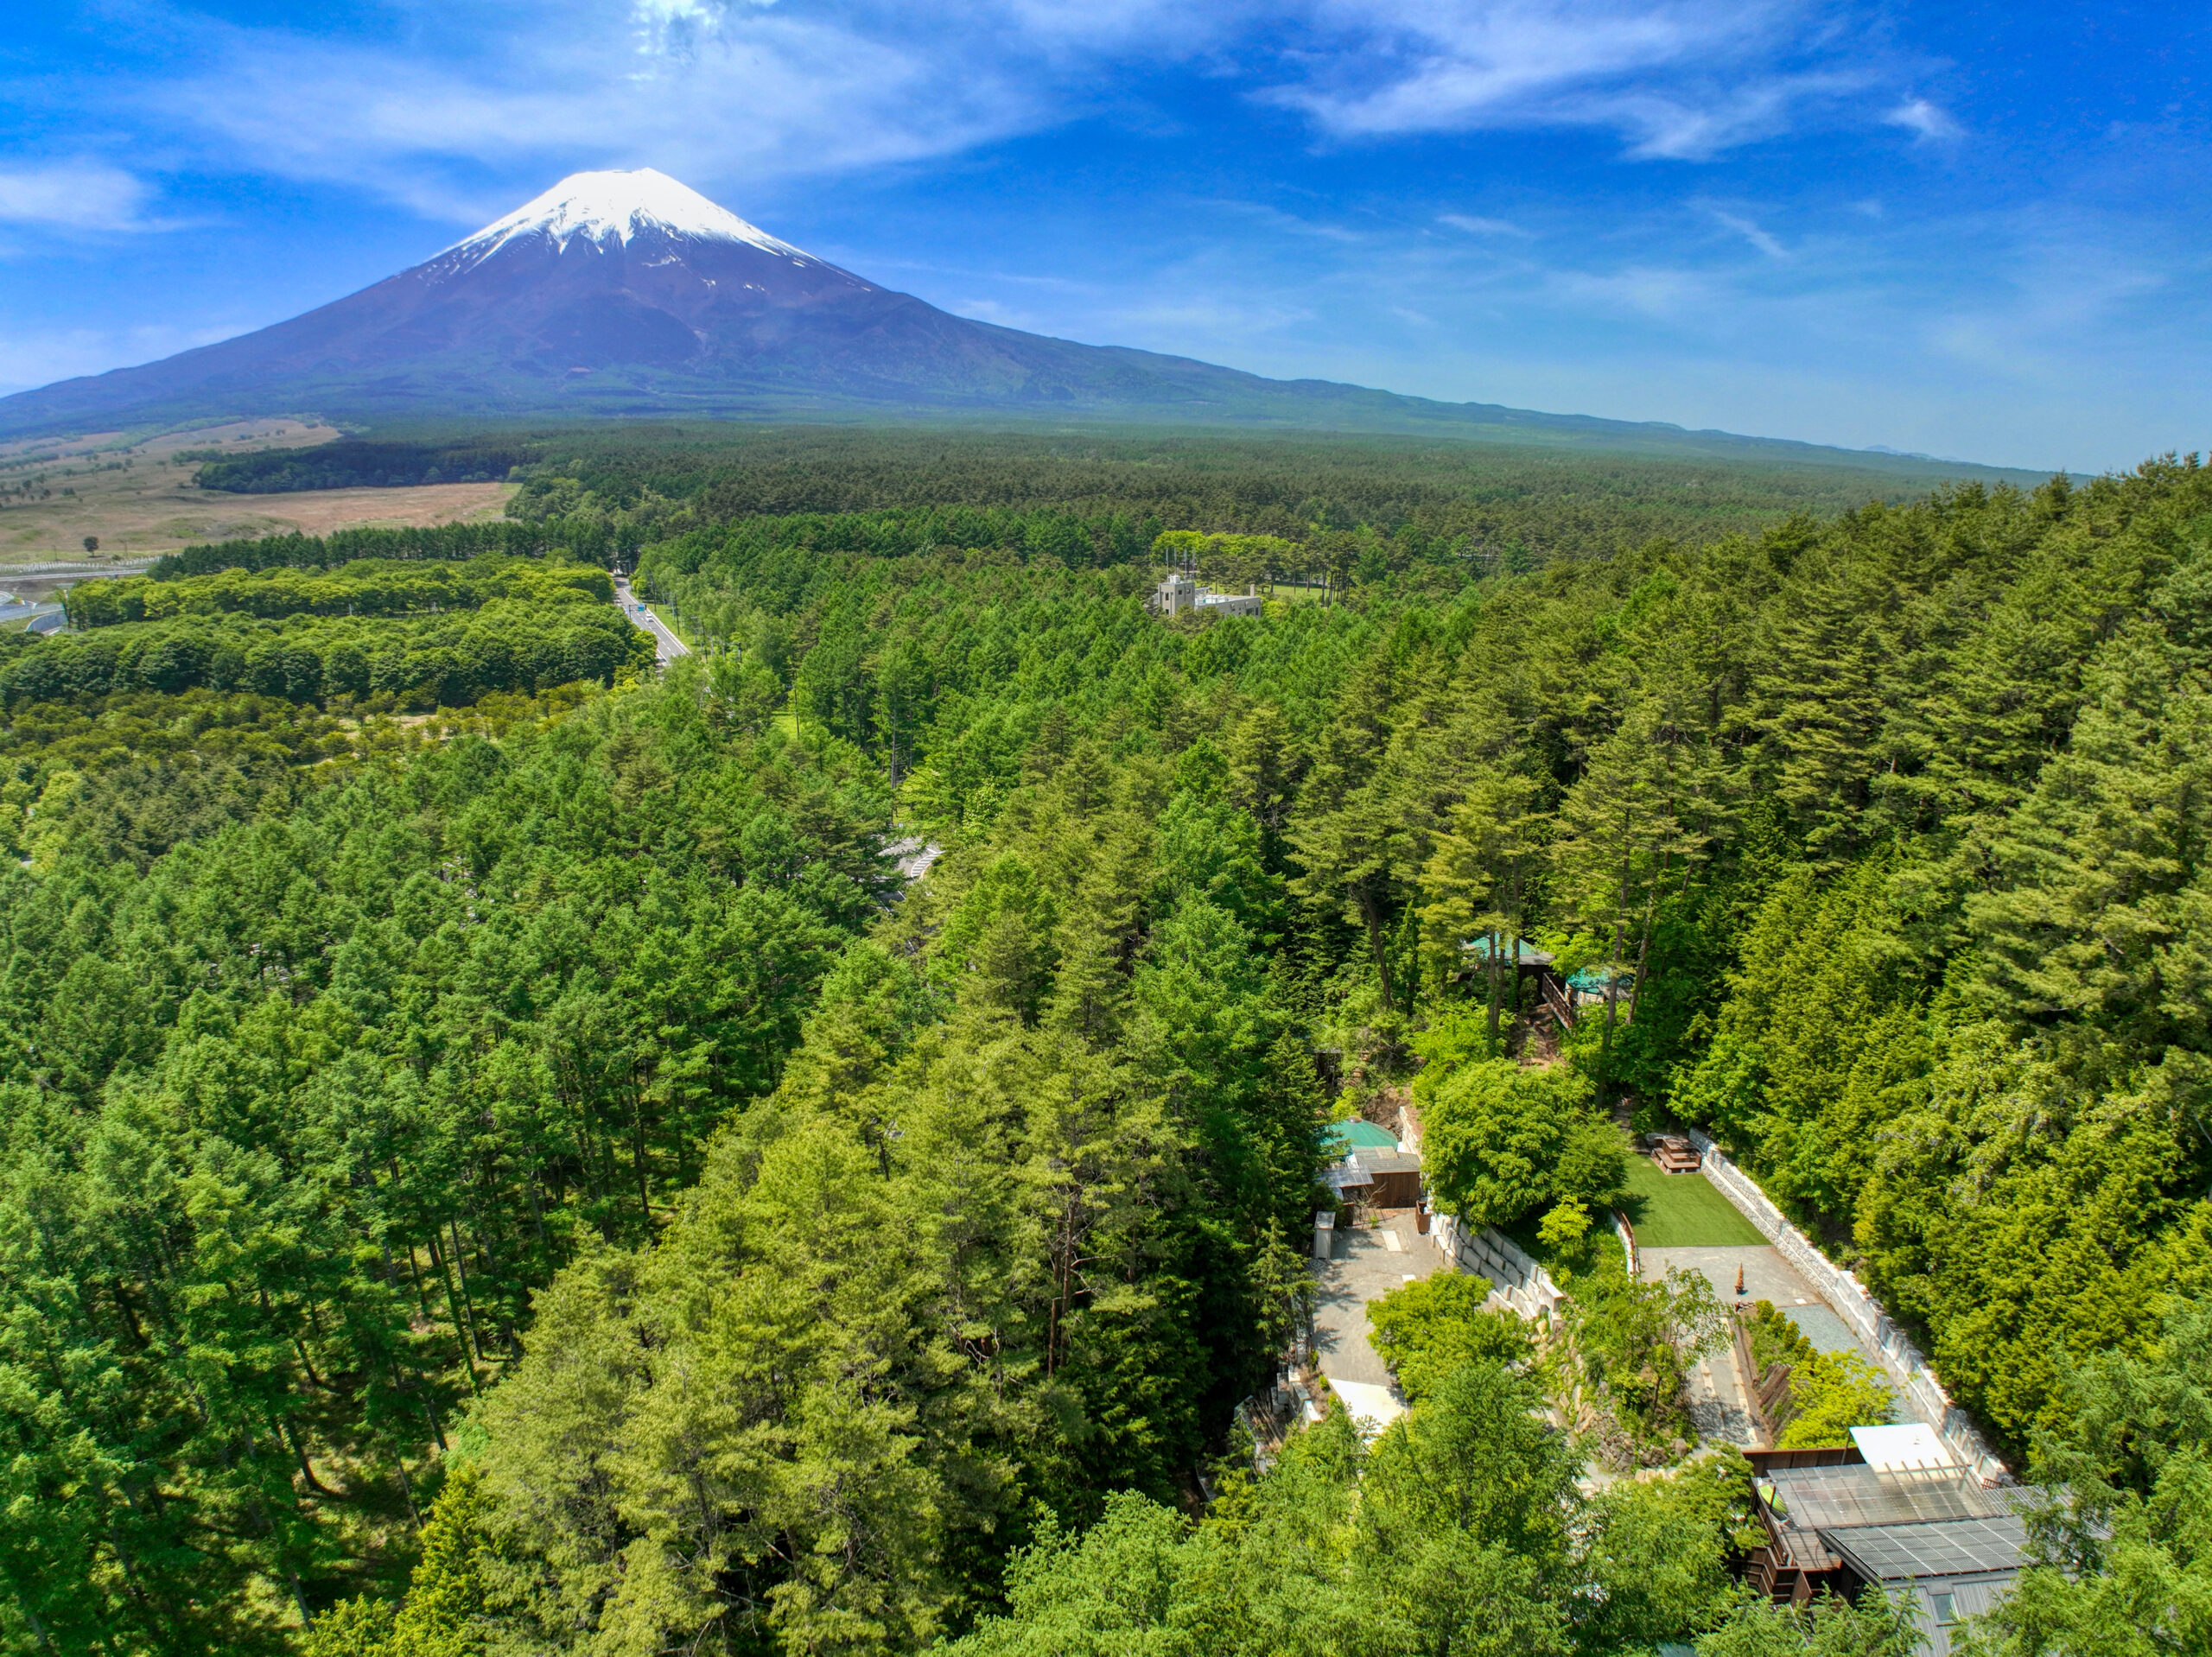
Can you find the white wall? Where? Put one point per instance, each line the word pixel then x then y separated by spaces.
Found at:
pixel 1861 1310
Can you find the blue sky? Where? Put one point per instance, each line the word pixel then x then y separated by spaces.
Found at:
pixel 1974 231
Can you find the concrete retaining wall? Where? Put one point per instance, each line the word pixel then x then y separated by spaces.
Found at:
pixel 1521 1283
pixel 1860 1310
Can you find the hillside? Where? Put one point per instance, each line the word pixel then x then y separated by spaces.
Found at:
pixel 497 1147
pixel 626 295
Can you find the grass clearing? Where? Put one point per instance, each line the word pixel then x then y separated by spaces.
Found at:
pixel 138 497
pixel 1682 1211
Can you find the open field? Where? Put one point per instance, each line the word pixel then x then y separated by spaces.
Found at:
pixel 138 498
pixel 1682 1211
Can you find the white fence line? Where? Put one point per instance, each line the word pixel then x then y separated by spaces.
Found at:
pixel 1873 1325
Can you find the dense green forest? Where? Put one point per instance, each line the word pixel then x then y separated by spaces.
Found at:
pixel 1505 500
pixel 276 637
pixel 364 586
pixel 536 1179
pixel 353 464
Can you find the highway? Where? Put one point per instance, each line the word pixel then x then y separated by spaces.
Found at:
pixel 666 643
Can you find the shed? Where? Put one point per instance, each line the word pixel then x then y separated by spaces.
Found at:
pixel 1955 1568
pixel 1397 1179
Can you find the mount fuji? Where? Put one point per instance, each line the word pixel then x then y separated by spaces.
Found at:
pixel 627 293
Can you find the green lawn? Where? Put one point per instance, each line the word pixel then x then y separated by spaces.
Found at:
pixel 1681 1210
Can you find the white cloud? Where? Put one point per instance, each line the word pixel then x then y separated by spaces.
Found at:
pixel 74 195
pixel 704 93
pixel 1475 225
pixel 1683 78
pixel 1750 232
pixel 1922 119
pixel 718 90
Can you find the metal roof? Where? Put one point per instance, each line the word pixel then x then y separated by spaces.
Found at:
pixel 1523 951
pixel 1910 1443
pixel 1359 1136
pixel 1390 1162
pixel 1947 1547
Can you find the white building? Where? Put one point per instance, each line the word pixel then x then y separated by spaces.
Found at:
pixel 1177 592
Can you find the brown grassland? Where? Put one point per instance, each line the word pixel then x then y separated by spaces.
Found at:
pixel 152 506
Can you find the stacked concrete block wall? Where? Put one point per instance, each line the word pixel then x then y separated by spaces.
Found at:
pixel 1873 1325
pixel 1482 1251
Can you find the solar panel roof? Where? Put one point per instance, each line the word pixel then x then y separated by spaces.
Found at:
pixel 1947 1547
pixel 1821 1498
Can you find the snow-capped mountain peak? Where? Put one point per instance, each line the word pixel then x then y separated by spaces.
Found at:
pixel 616 206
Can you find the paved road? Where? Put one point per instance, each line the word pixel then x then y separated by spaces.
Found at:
pixel 1368 1264
pixel 1718 1387
pixel 666 645
pixel 915 858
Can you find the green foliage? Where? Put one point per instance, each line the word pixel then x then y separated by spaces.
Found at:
pixel 128 776
pixel 1466 1534
pixel 353 464
pixel 1831 1392
pixel 1434 1326
pixel 569 1078
pixel 321 1098
pixel 1109 1592
pixel 2121 1544
pixel 1502 1141
pixel 1563 1227
pixel 420 663
pixel 443 1615
pixel 1775 1337
pixel 1873 1625
pixel 367 586
pixel 1635 1340
pixel 587 538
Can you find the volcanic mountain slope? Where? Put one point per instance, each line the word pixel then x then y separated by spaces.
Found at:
pixel 621 283
pixel 629 293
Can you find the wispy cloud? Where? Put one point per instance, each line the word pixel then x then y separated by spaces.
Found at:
pixel 1750 232
pixel 83 195
pixel 1683 78
pixel 1922 119
pixel 699 91
pixel 767 92
pixel 1475 225
pixel 1274 218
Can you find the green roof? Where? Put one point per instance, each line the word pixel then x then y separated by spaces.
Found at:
pixel 1344 1138
pixel 1521 950
pixel 1592 980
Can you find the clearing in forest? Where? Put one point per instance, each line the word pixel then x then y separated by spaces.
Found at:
pixel 1682 1211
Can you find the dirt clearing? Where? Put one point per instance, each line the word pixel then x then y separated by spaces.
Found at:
pixel 138 497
